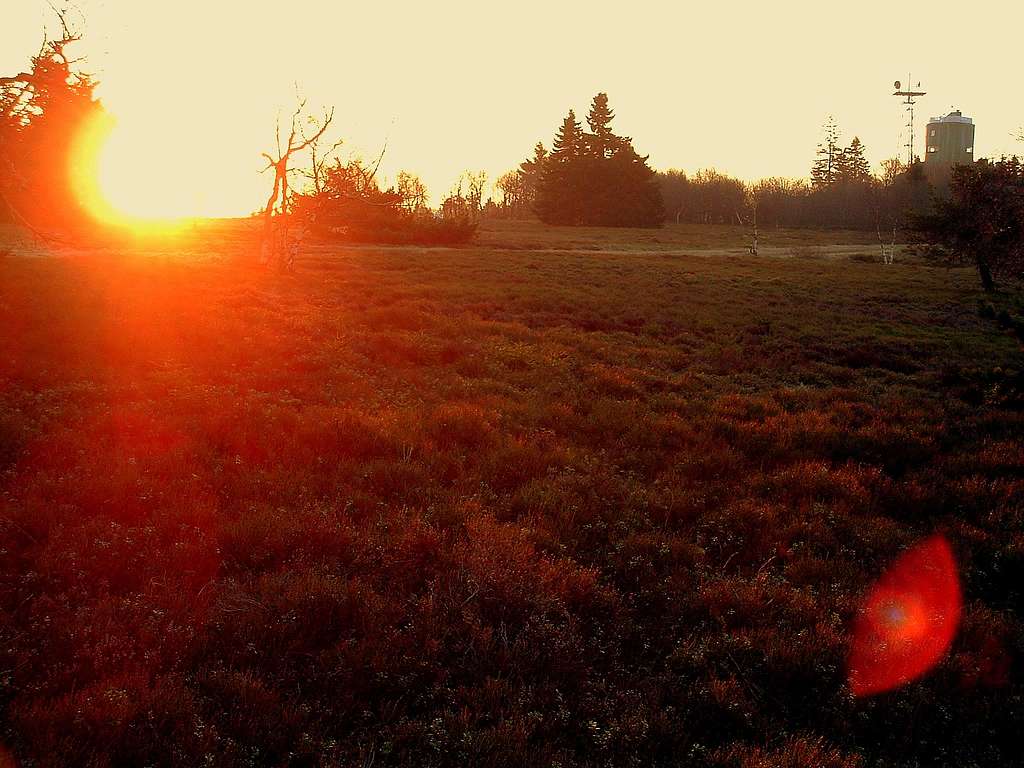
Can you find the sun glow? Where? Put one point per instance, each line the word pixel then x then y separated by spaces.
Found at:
pixel 147 172
pixel 114 182
pixel 84 165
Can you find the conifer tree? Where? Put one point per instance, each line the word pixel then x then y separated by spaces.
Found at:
pixel 531 171
pixel 599 119
pixel 852 167
pixel 825 168
pixel 597 178
pixel 569 140
pixel 533 164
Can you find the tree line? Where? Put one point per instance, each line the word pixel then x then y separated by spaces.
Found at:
pixel 841 190
pixel 344 200
pixel 593 177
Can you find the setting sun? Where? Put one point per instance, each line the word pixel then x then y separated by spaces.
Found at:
pixel 119 176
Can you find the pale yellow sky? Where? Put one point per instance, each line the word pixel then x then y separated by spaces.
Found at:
pixel 454 85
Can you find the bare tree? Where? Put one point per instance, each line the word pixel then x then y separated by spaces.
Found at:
pixel 275 240
pixel 512 186
pixel 320 157
pixel 475 185
pixel 412 191
pixel 891 170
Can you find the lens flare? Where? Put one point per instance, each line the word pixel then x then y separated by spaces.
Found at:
pixel 908 620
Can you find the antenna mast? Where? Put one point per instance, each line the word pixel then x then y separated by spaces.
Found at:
pixel 910 94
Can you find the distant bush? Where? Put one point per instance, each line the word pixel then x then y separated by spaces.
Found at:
pixel 350 206
pixel 402 229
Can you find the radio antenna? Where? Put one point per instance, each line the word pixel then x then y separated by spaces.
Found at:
pixel 909 95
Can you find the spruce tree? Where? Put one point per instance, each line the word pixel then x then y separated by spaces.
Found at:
pixel 597 178
pixel 825 169
pixel 853 167
pixel 559 194
pixel 599 119
pixel 531 171
pixel 532 165
pixel 569 140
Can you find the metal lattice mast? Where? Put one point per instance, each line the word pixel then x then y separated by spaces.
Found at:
pixel 909 94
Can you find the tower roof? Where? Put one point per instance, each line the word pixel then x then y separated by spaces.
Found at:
pixel 953 117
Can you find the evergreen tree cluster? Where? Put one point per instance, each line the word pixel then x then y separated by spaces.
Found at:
pixel 839 165
pixel 593 179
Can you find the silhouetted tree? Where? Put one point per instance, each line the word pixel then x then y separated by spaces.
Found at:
pixel 276 247
pixel 597 178
pixel 475 184
pixel 351 206
pixel 853 198
pixel 532 171
pixel 320 157
pixel 568 141
pixel 602 140
pixel 511 185
pixel 851 165
pixel 891 170
pixel 675 193
pixel 42 113
pixel 558 200
pixel 982 221
pixel 781 201
pixel 413 192
pixel 823 172
pixel 717 198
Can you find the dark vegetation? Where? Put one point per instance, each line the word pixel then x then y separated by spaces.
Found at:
pixel 841 193
pixel 497 507
pixel 869 204
pixel 348 205
pixel 42 111
pixel 981 221
pixel 588 179
pixel 598 179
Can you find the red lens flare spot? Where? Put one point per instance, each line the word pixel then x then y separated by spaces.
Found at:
pixel 908 620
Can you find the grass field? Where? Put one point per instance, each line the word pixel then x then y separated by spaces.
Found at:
pixel 563 498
